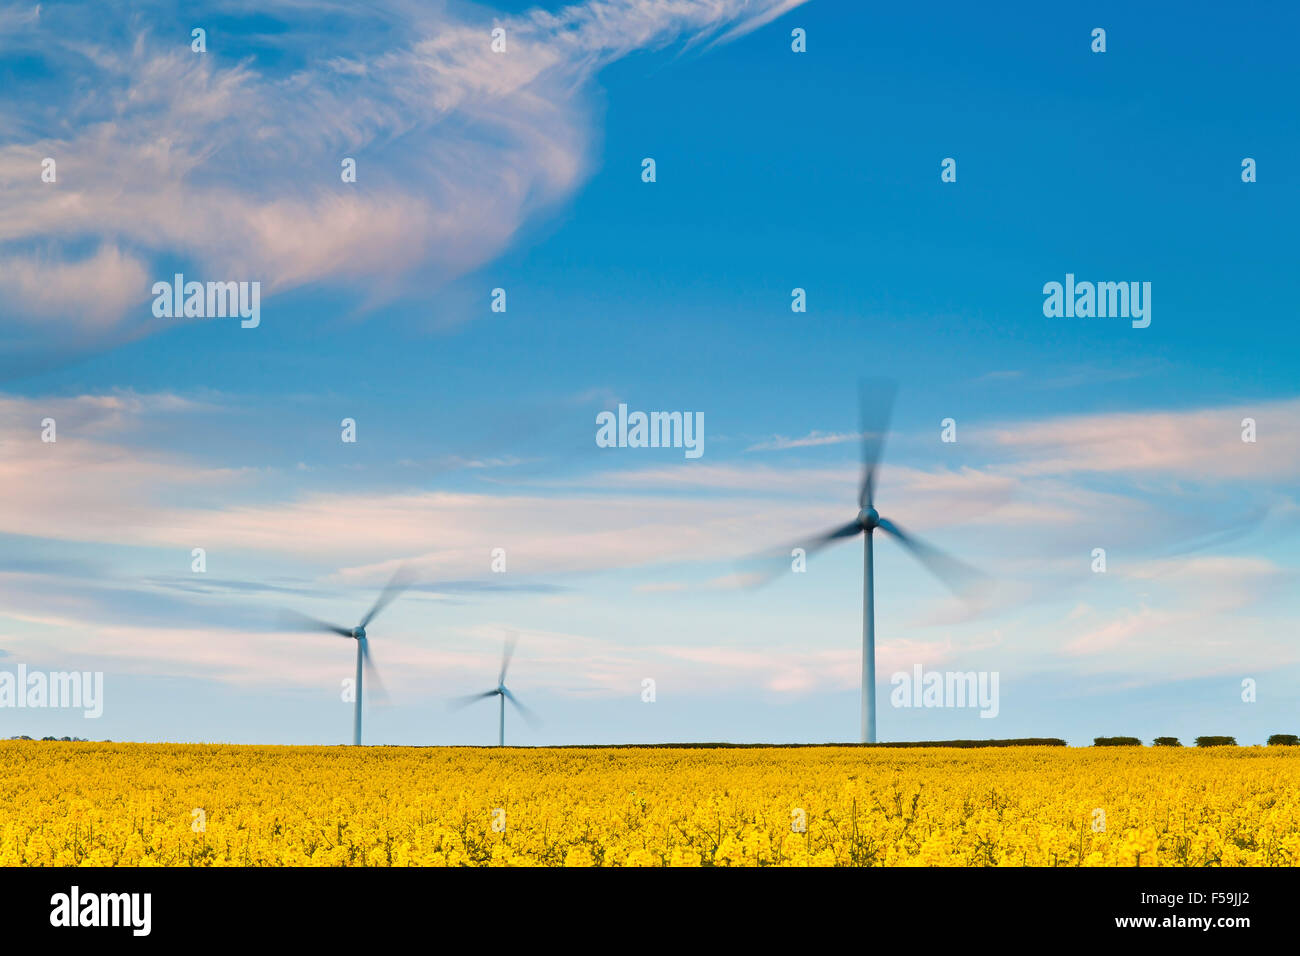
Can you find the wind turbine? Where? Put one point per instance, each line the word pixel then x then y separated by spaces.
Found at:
pixel 875 399
pixel 501 691
pixel 396 585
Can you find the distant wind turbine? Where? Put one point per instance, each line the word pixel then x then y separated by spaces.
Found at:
pixel 399 583
pixel 501 691
pixel 875 400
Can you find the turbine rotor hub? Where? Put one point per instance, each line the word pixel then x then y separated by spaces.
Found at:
pixel 869 518
pixel 359 633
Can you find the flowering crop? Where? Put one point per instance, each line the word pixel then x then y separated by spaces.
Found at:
pixel 171 804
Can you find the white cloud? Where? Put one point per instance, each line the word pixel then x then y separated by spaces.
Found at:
pixel 1203 443
pixel 87 292
pixel 813 439
pixel 102 484
pixel 231 163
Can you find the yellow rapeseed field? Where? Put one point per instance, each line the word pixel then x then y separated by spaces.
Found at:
pixel 169 804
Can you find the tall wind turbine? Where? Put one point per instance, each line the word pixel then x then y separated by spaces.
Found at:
pixel 399 583
pixel 502 692
pixel 875 400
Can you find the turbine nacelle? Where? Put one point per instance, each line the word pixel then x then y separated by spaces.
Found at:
pixel 869 518
pixel 359 633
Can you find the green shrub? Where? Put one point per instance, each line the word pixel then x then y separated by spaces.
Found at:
pixel 1283 740
pixel 1116 742
pixel 1216 741
pixel 1167 742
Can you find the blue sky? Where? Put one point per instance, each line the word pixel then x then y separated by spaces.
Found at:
pixel 522 170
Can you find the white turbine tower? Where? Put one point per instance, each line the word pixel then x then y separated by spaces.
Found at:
pixel 399 582
pixel 875 401
pixel 502 692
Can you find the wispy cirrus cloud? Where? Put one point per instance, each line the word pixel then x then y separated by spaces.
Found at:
pixel 103 482
pixel 1197 444
pixel 813 439
pixel 95 290
pixel 1193 616
pixel 227 162
pixel 102 486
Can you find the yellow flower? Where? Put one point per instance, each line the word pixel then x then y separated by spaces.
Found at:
pixel 579 856
pixel 88 804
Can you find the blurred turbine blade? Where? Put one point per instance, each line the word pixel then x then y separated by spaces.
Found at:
pixel 296 621
pixel 875 402
pixel 962 579
pixel 759 569
pixel 507 652
pixel 528 715
pixel 847 531
pixel 374 687
pixel 457 703
pixel 399 582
